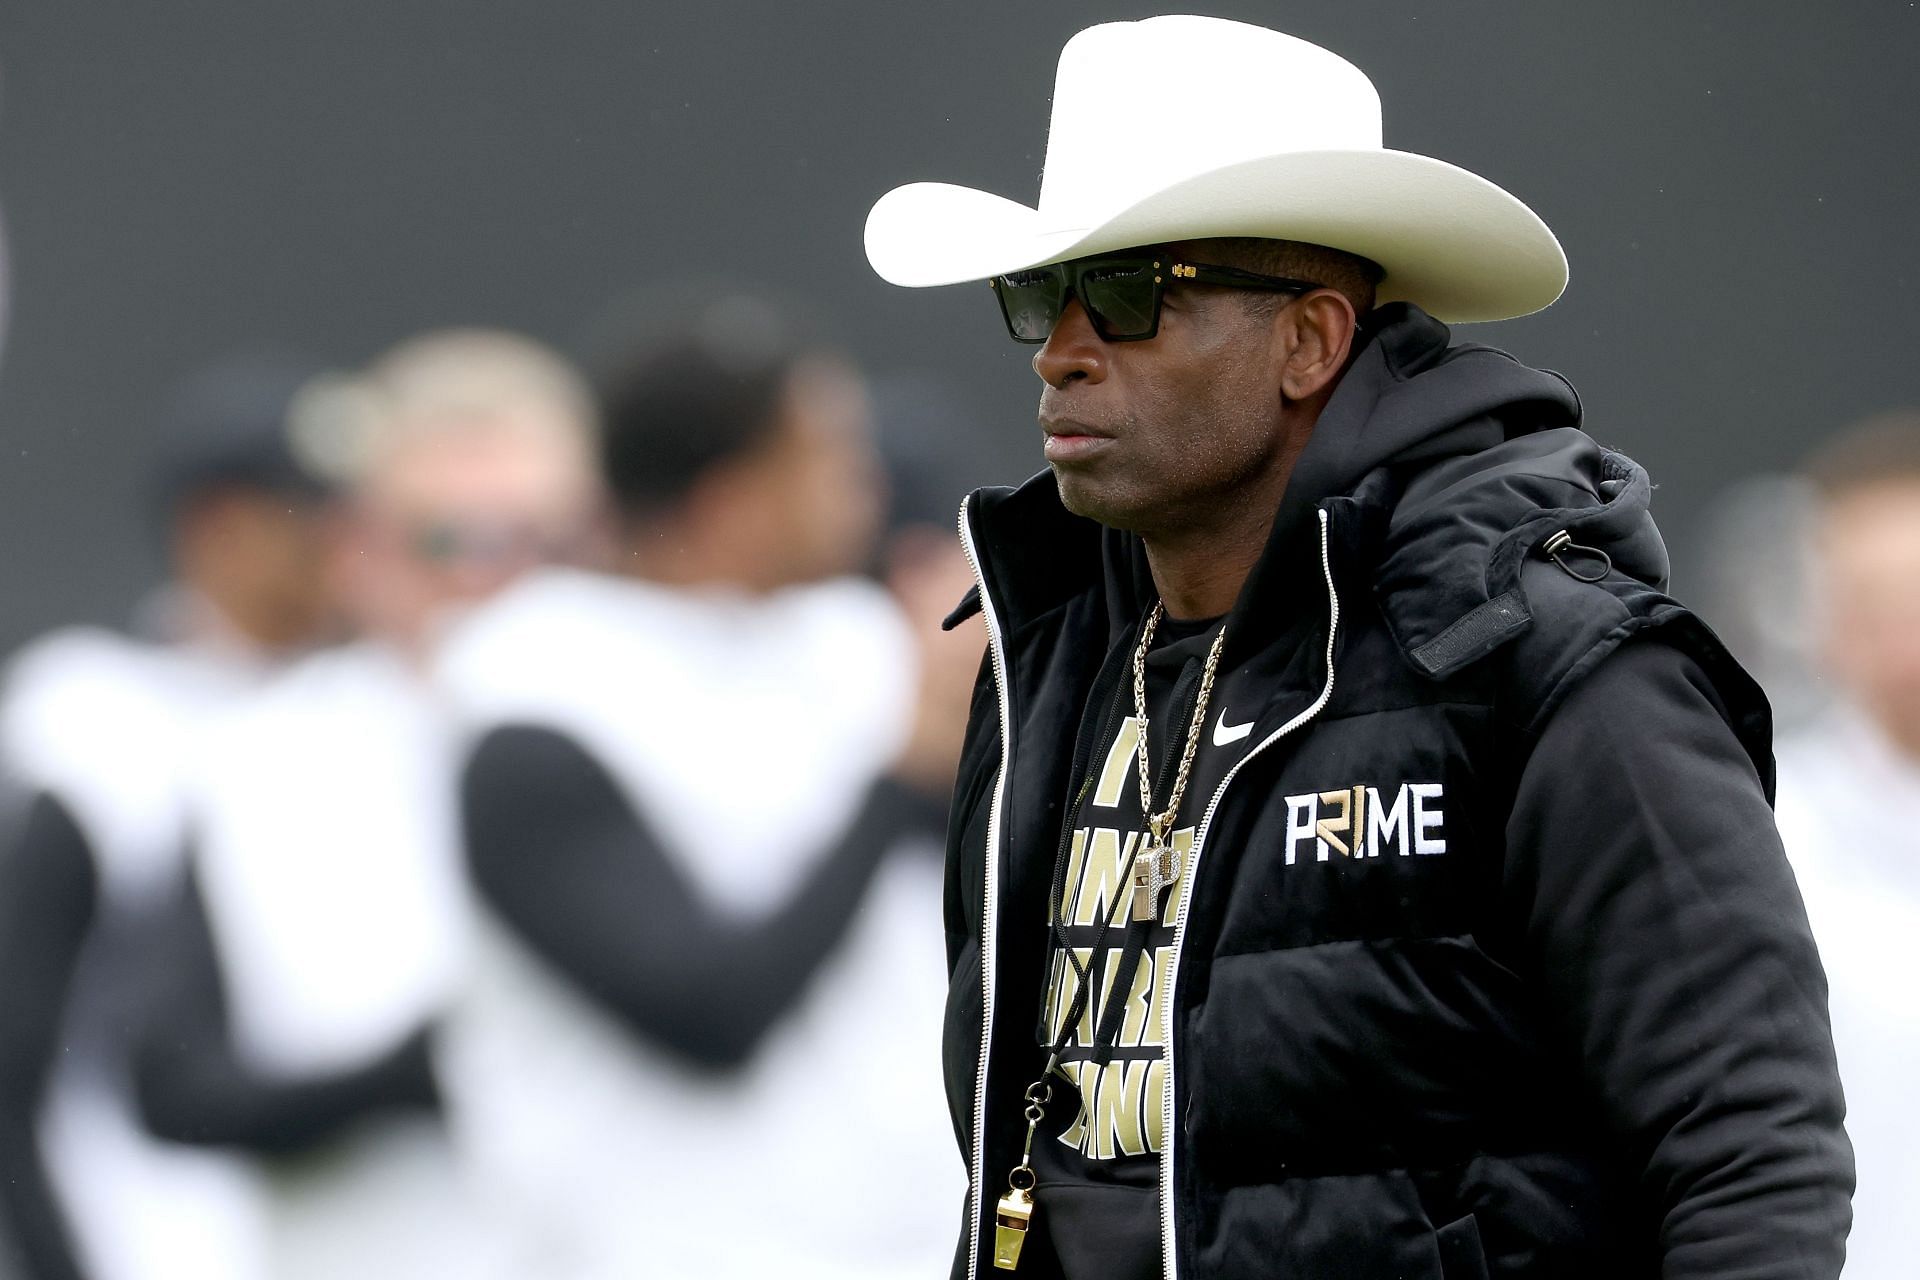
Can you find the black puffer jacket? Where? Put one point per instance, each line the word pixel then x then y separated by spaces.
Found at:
pixel 1587 1038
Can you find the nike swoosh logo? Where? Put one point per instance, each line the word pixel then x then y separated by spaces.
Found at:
pixel 1224 733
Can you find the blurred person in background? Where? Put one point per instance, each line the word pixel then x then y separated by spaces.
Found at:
pixel 1849 809
pixel 693 1043
pixel 320 930
pixel 95 725
pixel 1753 557
pixel 933 453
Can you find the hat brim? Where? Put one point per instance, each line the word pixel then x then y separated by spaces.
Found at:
pixel 1449 240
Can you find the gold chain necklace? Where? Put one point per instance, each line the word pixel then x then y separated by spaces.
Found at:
pixel 1155 867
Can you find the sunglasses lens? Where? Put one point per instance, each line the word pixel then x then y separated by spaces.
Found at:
pixel 1120 298
pixel 1031 302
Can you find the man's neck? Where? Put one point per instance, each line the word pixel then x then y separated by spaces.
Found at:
pixel 688 556
pixel 1199 572
pixel 1201 561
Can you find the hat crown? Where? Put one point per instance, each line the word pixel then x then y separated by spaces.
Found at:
pixel 1183 128
pixel 1140 105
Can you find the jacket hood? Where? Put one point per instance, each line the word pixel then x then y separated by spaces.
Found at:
pixel 1448 570
pixel 1441 467
pixel 1410 398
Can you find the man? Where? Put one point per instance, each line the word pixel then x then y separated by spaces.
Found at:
pixel 245 519
pixel 1358 867
pixel 99 724
pixel 698 812
pixel 1850 812
pixel 323 926
pixel 468 455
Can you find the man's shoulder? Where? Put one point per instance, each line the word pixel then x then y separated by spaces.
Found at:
pixel 1634 654
pixel 1577 631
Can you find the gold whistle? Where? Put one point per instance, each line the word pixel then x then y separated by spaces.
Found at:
pixel 1010 1222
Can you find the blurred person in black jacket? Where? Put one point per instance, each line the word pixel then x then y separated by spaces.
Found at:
pixel 321 927
pixel 96 726
pixel 699 813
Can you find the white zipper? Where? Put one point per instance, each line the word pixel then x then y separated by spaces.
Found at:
pixel 1169 1137
pixel 989 917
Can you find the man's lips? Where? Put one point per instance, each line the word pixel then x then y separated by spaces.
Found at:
pixel 1069 441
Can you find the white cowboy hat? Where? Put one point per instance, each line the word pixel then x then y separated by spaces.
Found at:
pixel 1179 128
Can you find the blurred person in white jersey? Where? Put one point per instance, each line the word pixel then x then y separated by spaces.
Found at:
pixel 709 968
pixel 94 727
pixel 1849 810
pixel 321 927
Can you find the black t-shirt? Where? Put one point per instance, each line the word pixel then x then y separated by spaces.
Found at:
pixel 1097 1154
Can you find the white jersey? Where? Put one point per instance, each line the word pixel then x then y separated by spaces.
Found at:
pixel 1849 811
pixel 323 817
pixel 104 723
pixel 746 731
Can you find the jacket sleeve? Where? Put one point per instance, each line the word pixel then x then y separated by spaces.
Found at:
pixel 48 896
pixel 1660 915
pixel 563 857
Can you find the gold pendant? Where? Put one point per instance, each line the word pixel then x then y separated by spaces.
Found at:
pixel 1153 870
pixel 1010 1222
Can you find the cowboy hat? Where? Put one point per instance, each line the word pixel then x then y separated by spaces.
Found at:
pixel 1172 128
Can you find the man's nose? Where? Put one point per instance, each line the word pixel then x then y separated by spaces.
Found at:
pixel 1072 351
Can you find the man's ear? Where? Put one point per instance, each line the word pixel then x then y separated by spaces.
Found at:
pixel 1316 334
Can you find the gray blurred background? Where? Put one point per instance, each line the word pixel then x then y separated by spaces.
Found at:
pixel 1734 184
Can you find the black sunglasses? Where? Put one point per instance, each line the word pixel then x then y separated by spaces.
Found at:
pixel 1122 294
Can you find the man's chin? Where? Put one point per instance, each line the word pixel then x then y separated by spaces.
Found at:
pixel 1084 496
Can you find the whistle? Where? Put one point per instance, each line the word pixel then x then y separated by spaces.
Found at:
pixel 1010 1222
